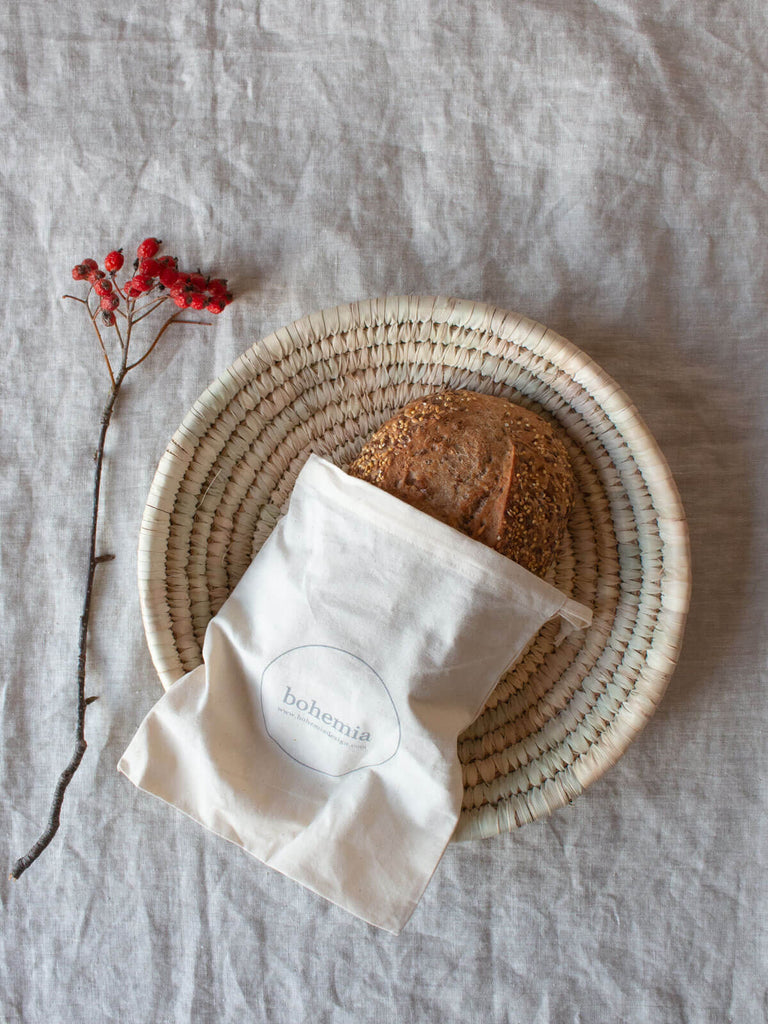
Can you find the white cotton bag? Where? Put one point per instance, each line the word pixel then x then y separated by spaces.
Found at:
pixel 320 733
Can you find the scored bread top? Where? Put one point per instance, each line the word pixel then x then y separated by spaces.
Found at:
pixel 481 464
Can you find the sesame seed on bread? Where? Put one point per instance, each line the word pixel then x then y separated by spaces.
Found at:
pixel 481 464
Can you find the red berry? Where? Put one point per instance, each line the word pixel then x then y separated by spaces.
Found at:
pixel 169 275
pixel 217 286
pixel 95 275
pixel 197 301
pixel 102 287
pixel 149 268
pixel 214 306
pixel 109 302
pixel 141 283
pixel 80 272
pixel 91 264
pixel 180 299
pixel 108 318
pixel 148 248
pixel 113 261
pixel 197 281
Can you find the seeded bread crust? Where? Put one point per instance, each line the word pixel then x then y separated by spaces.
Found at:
pixel 481 464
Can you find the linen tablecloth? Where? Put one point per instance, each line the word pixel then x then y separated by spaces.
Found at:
pixel 597 166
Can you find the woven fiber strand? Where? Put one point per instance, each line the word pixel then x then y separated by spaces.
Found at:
pixel 322 385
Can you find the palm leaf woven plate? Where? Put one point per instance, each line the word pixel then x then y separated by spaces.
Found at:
pixel 323 384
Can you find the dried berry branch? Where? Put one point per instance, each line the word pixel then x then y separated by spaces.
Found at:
pixel 162 278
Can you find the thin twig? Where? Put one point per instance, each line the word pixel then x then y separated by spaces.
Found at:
pixel 92 314
pixel 171 319
pixel 149 308
pixel 130 303
pixel 103 348
pixel 119 335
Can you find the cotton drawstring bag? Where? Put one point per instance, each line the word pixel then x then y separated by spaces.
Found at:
pixel 320 732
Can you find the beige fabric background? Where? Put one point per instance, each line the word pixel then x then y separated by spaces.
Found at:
pixel 598 166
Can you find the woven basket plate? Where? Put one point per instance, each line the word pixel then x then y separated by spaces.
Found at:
pixel 563 714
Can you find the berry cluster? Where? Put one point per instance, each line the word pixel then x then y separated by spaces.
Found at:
pixel 151 273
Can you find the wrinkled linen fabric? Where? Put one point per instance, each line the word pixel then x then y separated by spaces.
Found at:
pixel 599 167
pixel 320 733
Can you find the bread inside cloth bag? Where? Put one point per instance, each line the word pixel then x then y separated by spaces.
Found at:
pixel 320 733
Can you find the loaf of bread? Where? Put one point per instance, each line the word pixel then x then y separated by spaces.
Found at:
pixel 481 464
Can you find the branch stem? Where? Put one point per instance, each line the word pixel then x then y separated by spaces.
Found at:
pixel 132 315
pixel 65 778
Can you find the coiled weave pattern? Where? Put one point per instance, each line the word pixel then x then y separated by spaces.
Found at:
pixel 323 384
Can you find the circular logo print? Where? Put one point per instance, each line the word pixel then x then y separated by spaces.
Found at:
pixel 329 710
